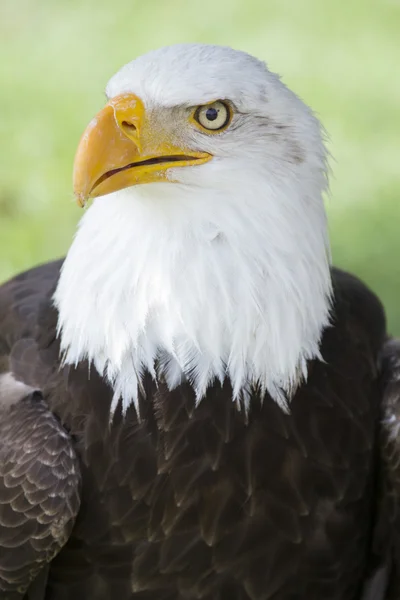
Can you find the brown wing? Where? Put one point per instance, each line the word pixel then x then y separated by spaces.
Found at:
pixel 39 470
pixel 390 449
pixel 39 490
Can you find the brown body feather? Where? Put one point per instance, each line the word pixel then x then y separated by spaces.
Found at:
pixel 198 503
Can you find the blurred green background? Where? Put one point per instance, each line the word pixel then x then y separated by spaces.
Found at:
pixel 340 56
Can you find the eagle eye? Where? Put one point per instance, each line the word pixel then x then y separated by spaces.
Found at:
pixel 214 117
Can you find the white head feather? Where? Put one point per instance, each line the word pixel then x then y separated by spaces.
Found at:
pixel 222 273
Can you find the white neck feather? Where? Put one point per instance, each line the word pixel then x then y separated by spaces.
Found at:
pixel 187 282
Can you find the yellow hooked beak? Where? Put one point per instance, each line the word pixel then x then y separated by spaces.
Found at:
pixel 118 149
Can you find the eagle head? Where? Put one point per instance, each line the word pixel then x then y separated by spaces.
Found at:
pixel 204 254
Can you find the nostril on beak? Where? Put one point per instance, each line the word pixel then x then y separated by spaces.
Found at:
pixel 128 127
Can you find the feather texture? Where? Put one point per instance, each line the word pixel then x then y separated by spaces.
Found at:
pixel 198 502
pixel 39 491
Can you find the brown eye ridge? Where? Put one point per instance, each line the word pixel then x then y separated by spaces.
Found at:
pixel 213 117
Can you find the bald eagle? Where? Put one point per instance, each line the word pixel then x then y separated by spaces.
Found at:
pixel 191 402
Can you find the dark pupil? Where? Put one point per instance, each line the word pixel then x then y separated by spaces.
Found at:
pixel 211 114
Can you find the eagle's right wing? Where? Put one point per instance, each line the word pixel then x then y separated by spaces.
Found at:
pixel 39 486
pixel 39 471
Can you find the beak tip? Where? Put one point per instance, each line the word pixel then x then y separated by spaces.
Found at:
pixel 81 199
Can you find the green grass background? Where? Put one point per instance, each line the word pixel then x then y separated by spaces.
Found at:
pixel 340 56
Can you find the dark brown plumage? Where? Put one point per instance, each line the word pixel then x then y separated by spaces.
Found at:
pixel 389 528
pixel 189 502
pixel 40 491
